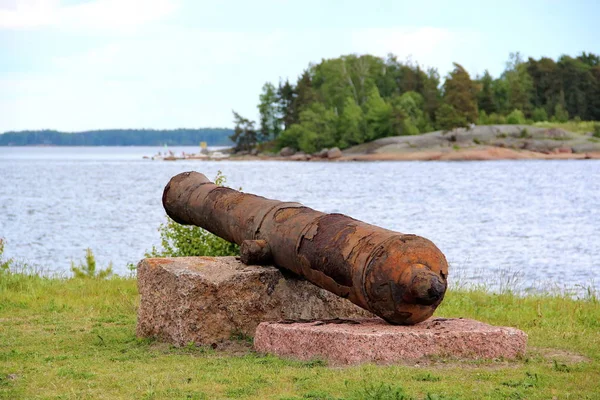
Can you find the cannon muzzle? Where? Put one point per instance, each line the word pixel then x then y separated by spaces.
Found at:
pixel 401 278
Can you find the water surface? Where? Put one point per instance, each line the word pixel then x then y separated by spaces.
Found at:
pixel 538 219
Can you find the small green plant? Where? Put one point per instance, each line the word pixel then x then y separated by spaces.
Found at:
pixel 456 147
pixel 596 133
pixel 560 113
pixel 539 115
pixel 240 337
pixel 525 134
pixel 428 377
pixel 502 136
pixel 4 264
pixel 189 241
pixel 132 268
pixel 497 119
pixel 530 380
pixel 516 117
pixel 88 269
pixel 381 392
pixel 560 367
pixel 476 141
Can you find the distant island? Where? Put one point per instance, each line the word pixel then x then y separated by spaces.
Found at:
pixel 354 99
pixel 119 137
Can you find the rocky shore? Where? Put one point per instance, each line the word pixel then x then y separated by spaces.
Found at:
pixel 490 142
pixel 494 142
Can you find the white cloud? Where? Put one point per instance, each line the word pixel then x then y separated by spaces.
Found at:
pixel 173 76
pixel 98 15
pixel 169 77
pixel 185 53
pixel 428 46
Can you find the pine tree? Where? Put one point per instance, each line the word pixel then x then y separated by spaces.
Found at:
pixel 286 96
pixel 485 96
pixel 459 92
pixel 244 135
pixel 305 95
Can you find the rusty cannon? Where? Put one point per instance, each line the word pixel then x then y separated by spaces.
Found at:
pixel 400 277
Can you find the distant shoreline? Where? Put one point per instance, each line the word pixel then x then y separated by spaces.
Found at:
pixel 477 143
pixel 120 137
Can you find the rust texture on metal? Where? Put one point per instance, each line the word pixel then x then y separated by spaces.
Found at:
pixel 255 252
pixel 400 277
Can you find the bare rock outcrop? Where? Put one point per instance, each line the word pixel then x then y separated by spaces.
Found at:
pixel 287 151
pixel 334 153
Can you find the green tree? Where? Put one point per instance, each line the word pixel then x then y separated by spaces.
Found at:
pixel 333 83
pixel 483 118
pixel 305 95
pixel 519 83
pixel 415 121
pixel 578 85
pixel 378 116
pixel 447 118
pixel 547 83
pixel 539 114
pixel 363 72
pixel 286 96
pixel 500 90
pixel 485 96
pixel 459 92
pixel 516 117
pixel 432 96
pixel 387 80
pixel 316 130
pixel 290 137
pixel 244 135
pixel 270 122
pixel 594 99
pixel 560 113
pixel 352 128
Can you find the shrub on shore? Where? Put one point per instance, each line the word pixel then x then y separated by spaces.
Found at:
pixel 4 264
pixel 87 269
pixel 192 241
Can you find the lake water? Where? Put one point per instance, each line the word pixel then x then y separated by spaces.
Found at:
pixel 538 221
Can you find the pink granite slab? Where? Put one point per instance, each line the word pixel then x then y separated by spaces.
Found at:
pixel 373 340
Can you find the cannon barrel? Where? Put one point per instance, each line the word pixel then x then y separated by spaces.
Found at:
pixel 400 277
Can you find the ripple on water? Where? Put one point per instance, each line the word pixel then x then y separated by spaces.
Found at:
pixel 539 218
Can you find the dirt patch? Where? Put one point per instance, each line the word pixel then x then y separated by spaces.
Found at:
pixel 559 355
pixel 234 348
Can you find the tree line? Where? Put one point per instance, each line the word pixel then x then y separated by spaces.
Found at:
pixel 354 99
pixel 120 137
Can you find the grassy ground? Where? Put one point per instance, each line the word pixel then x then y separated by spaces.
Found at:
pixel 570 126
pixel 75 339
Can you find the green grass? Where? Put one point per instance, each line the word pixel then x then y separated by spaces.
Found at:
pixel 75 339
pixel 571 126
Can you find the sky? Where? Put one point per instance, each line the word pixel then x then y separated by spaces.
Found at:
pixel 76 65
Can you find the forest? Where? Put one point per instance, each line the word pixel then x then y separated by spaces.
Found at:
pixel 119 137
pixel 354 99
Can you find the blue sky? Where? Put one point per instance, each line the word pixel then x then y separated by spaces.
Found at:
pixel 95 64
